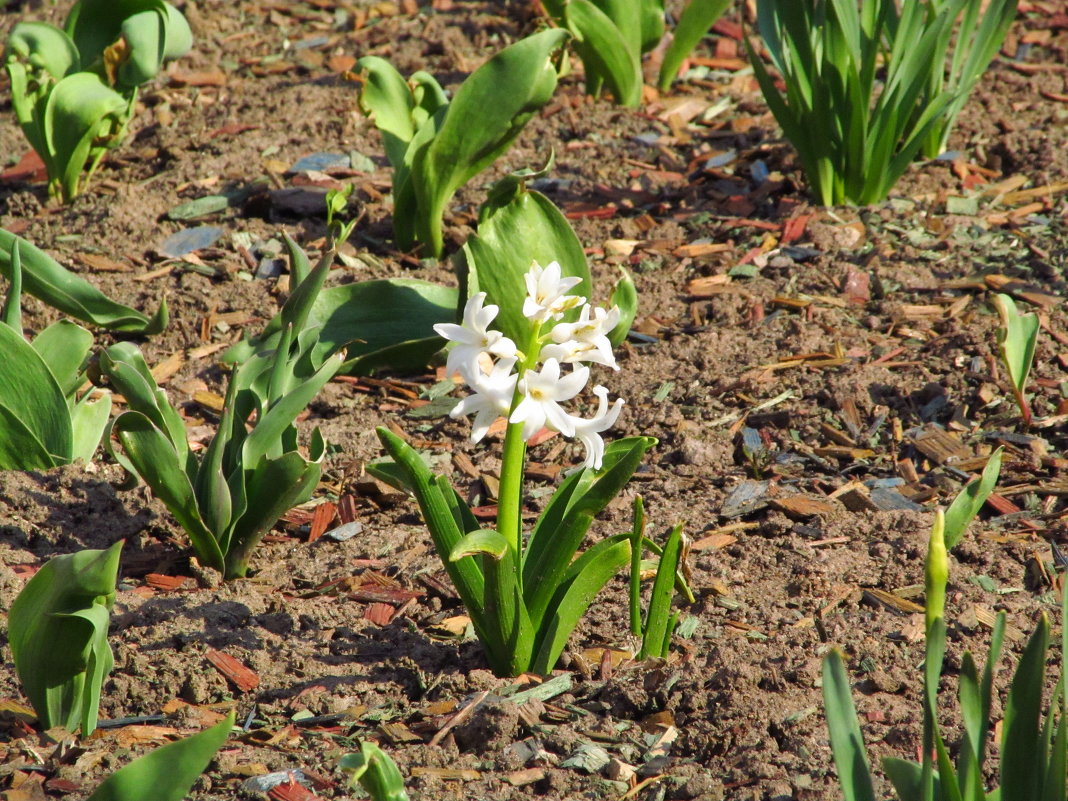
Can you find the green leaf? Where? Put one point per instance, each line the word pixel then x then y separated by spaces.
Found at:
pixel 383 323
pixel 48 281
pixel 624 296
pixel 83 116
pixel 606 54
pixel 1022 758
pixel 562 526
pixel 971 499
pixel 572 596
pixel 168 772
pixel 1016 340
pixel 375 772
pixel 64 347
pixel 41 414
pixel 57 629
pixel 88 419
pixel 486 542
pixel 696 20
pixel 489 110
pixel 656 637
pixel 518 226
pixel 154 459
pixel 847 743
pixel 386 98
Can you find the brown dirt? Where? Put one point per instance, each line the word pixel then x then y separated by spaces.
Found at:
pixel 743 691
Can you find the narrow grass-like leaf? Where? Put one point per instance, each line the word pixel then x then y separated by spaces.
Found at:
pixel 696 19
pixel 847 743
pixel 1022 758
pixel 656 635
pixel 168 772
pixel 557 537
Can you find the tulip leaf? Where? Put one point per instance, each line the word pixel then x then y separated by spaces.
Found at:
pixel 168 772
pixel 1016 340
pixel 47 280
pixel 625 298
pixel 372 768
pixel 609 58
pixel 847 743
pixel 83 117
pixel 383 323
pixel 57 629
pixel 64 347
pixel 42 412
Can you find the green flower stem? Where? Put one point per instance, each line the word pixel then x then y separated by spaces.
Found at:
pixel 510 495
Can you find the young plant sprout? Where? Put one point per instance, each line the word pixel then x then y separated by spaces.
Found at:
pixel 525 594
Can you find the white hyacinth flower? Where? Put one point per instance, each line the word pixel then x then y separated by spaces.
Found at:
pixel 585 340
pixel 541 395
pixel 588 432
pixel 547 293
pixel 473 338
pixel 492 396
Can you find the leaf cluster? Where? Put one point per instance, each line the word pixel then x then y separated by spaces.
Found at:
pixel 252 472
pixel 523 606
pixel 43 421
pixel 865 83
pixel 1033 762
pixel 436 145
pixel 73 88
pixel 610 36
pixel 58 632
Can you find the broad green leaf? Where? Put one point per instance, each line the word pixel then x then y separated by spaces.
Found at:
pixel 651 13
pixel 145 34
pixel 518 226
pixel 605 53
pixel 82 117
pixel 88 419
pixel 906 776
pixel 387 99
pixel 696 20
pixel 573 595
pixel 847 743
pixel 971 499
pixel 126 370
pixel 154 459
pixel 489 110
pixel 168 772
pixel 57 629
pixel 20 447
pixel 64 347
pixel 382 323
pixel 42 411
pixel 43 47
pixel 372 768
pixel 47 280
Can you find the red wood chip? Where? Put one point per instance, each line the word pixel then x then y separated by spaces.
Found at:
pixel 29 170
pixel 291 791
pixel 159 581
pixel 242 677
pixel 794 228
pixel 321 520
pixel 380 614
pixel 346 508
